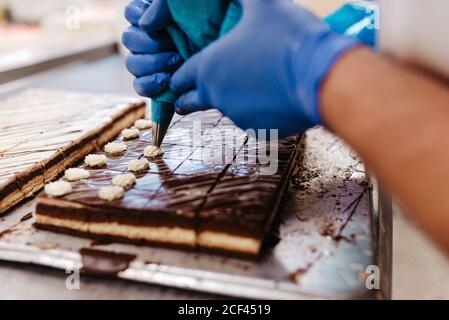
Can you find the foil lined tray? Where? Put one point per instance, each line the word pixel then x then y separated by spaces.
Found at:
pixel 323 241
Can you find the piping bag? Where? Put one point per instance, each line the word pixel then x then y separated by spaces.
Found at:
pixel 196 24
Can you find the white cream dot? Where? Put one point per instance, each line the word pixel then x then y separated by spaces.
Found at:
pixel 129 134
pixel 138 165
pixel 113 148
pixel 143 124
pixel 95 160
pixel 111 193
pixel 74 174
pixel 124 180
pixel 153 151
pixel 58 188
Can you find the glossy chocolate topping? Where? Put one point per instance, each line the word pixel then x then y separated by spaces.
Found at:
pixel 211 181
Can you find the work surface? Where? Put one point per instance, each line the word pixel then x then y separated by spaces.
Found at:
pixel 329 196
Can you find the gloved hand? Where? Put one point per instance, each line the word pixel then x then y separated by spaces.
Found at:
pixel 267 72
pixel 153 55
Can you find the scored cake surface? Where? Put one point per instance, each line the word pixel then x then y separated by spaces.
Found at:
pixel 205 192
pixel 43 132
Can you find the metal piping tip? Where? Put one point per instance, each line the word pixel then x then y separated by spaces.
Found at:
pixel 158 134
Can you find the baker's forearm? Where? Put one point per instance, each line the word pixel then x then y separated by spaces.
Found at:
pixel 398 121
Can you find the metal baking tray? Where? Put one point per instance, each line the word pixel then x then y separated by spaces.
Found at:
pixel 325 237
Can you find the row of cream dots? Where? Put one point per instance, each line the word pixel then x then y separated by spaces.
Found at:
pixel 119 182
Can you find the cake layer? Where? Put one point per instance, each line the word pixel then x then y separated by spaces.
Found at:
pixel 42 132
pixel 217 242
pixel 211 190
pixel 122 231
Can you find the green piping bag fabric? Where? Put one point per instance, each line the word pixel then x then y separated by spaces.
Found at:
pixel 199 22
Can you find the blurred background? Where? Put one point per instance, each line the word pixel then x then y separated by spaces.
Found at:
pixel 35 31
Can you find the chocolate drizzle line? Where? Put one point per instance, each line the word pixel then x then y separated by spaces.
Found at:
pixel 63 122
pixel 42 167
pixel 62 152
pixel 19 185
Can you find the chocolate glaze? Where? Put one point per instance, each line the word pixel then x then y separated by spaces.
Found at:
pixel 205 187
pixel 104 263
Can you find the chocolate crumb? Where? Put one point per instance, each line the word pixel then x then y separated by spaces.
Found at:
pixel 302 219
pixel 328 230
pixel 100 242
pixel 296 276
pixel 26 217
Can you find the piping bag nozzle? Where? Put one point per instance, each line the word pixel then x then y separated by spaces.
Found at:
pixel 161 115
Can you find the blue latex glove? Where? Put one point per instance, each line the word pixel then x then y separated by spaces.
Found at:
pixel 153 56
pixel 267 72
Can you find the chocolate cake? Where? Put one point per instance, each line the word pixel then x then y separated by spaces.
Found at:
pixel 203 193
pixel 43 132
